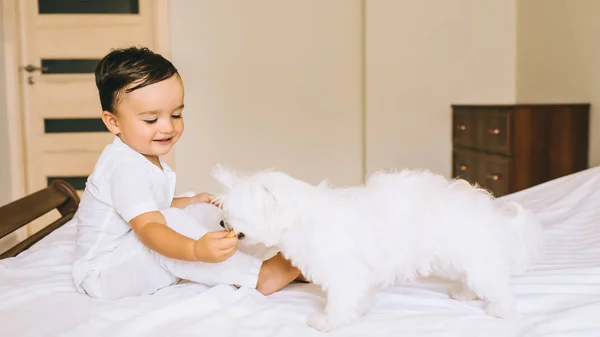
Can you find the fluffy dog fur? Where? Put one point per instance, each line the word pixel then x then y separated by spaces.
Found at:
pixel 399 226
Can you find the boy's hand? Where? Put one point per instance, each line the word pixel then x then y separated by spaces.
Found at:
pixel 202 198
pixel 184 202
pixel 205 198
pixel 215 247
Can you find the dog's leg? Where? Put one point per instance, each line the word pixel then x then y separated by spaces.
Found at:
pixel 346 302
pixel 462 292
pixel 494 288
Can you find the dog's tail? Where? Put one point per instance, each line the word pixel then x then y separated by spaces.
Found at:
pixel 525 239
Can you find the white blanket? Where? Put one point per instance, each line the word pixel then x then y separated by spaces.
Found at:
pixel 558 296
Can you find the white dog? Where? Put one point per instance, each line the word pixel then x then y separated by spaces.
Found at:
pixel 399 226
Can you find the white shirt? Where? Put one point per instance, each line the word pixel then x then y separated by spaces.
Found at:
pixel 123 185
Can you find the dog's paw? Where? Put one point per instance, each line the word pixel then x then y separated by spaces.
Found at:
pixel 461 292
pixel 320 321
pixel 499 310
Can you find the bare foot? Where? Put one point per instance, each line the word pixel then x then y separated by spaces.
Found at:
pixel 275 273
pixel 302 278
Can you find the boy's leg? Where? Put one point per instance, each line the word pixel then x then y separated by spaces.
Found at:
pixel 276 273
pixel 241 269
pixel 131 269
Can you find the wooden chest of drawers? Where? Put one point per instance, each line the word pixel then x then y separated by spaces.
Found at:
pixel 507 148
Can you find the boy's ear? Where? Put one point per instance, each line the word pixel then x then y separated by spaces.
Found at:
pixel 111 122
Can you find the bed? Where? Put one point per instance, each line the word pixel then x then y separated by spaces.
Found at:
pixel 559 295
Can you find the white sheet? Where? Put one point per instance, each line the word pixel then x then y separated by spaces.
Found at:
pixel 558 296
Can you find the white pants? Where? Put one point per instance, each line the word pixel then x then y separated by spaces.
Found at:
pixel 132 269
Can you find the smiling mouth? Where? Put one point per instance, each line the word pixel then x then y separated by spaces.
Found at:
pixel 163 141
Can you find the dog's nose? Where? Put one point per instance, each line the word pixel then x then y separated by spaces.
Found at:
pixel 241 236
pixel 222 223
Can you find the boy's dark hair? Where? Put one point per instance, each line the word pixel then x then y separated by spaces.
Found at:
pixel 122 67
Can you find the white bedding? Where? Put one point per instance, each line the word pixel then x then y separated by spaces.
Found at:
pixel 558 296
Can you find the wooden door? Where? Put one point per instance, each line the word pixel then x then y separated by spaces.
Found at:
pixel 61 44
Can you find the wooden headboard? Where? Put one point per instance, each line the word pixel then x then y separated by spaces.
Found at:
pixel 58 195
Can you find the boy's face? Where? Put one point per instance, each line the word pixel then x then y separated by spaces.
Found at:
pixel 149 119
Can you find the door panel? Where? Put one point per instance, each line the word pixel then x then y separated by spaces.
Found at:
pixel 70 125
pixel 76 142
pixel 61 164
pixel 88 7
pixel 58 89
pixel 89 42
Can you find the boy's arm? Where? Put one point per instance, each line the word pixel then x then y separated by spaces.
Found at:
pixel 133 199
pixel 183 202
pixel 152 230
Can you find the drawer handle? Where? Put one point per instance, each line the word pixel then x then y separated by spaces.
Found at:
pixel 494 131
pixel 462 127
pixel 463 167
pixel 493 177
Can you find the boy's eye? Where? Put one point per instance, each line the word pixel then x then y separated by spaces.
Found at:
pixel 152 121
pixel 176 116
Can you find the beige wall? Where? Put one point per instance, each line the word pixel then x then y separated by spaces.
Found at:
pixel 269 83
pixel 423 56
pixel 559 56
pixel 279 83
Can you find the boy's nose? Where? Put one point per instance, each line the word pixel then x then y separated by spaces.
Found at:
pixel 167 127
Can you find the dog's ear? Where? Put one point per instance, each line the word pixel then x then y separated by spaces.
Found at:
pixel 280 206
pixel 269 199
pixel 225 176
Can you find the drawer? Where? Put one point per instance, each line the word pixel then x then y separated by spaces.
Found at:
pixel 495 174
pixel 491 172
pixel 483 128
pixel 464 132
pixel 465 165
pixel 495 131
